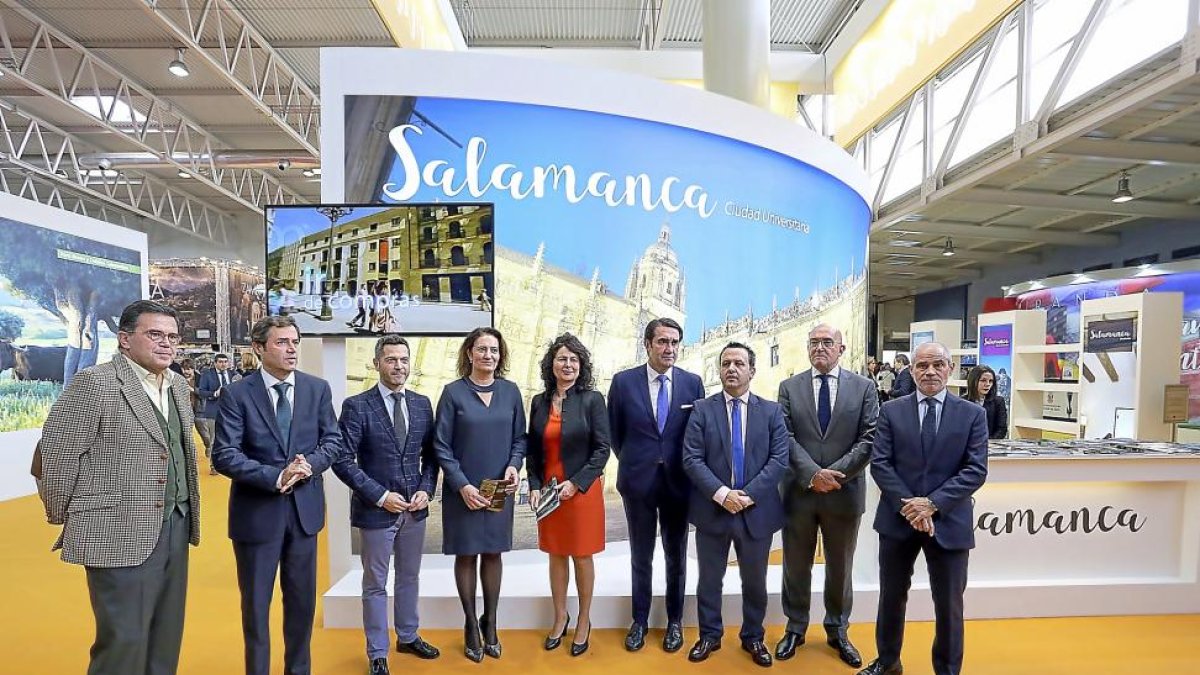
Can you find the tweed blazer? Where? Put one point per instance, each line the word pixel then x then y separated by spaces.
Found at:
pixel 104 466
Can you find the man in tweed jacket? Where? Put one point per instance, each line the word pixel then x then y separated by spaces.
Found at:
pixel 119 474
pixel 388 461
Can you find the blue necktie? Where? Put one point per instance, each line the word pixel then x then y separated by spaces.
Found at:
pixel 823 407
pixel 739 447
pixel 660 406
pixel 929 425
pixel 283 412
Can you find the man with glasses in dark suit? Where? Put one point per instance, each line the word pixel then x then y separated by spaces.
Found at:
pixel 389 462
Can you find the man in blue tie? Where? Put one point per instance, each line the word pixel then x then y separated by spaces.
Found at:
pixel 735 452
pixel 929 458
pixel 276 435
pixel 648 411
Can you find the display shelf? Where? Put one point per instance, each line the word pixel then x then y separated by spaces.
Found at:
pixel 1066 387
pixel 1057 426
pixel 1065 348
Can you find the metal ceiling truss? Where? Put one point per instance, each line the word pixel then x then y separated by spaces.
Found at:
pixel 43 161
pixel 128 109
pixel 246 61
pixel 1034 134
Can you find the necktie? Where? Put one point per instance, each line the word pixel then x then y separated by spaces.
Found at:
pixel 739 447
pixel 824 412
pixel 398 418
pixel 283 412
pixel 221 376
pixel 660 406
pixel 929 425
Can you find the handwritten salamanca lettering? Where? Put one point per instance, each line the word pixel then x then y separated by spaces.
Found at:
pixel 637 190
pixel 1078 520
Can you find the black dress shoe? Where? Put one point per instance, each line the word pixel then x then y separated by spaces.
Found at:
pixel 553 641
pixel 673 640
pixel 491 639
pixel 578 648
pixel 419 648
pixel 379 667
pixel 877 668
pixel 635 639
pixel 758 652
pixel 786 648
pixel 702 649
pixel 472 642
pixel 846 651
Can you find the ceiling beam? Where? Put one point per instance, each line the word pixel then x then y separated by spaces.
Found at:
pixel 934 253
pixel 247 62
pixel 1050 200
pixel 1006 233
pixel 1127 152
pixel 924 271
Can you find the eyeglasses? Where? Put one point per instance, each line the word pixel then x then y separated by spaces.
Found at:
pixel 826 343
pixel 161 337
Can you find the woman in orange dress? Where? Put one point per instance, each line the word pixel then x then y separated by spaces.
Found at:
pixel 568 440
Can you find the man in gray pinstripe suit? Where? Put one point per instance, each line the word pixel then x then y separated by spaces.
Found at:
pixel 119 474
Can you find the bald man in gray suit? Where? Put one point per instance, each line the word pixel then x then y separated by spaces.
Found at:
pixel 831 414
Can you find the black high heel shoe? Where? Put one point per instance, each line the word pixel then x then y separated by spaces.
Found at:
pixel 552 641
pixel 491 640
pixel 579 648
pixel 471 636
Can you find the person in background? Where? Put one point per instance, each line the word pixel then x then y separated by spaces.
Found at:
pixel 480 434
pixel 211 385
pixel 884 379
pixel 248 365
pixel 904 385
pixel 568 442
pixel 981 389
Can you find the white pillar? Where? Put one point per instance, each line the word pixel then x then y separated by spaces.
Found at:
pixel 737 42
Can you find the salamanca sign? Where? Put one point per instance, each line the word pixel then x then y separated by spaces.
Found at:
pixel 636 190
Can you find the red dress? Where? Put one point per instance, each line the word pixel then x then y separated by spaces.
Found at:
pixel 577 526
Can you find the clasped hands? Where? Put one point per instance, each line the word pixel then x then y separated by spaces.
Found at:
pixel 297 470
pixel 918 511
pixel 826 480
pixel 736 501
pixel 395 503
pixel 475 501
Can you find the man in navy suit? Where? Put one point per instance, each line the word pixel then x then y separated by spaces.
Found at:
pixel 648 410
pixel 929 458
pixel 735 452
pixel 276 435
pixel 208 389
pixel 903 385
pixel 388 461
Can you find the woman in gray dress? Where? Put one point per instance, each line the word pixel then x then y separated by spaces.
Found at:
pixel 480 434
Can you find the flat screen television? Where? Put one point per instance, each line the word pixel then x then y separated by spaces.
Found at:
pixel 350 270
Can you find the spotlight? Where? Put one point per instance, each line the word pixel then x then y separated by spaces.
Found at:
pixel 1123 194
pixel 948 249
pixel 307 173
pixel 177 67
pixel 183 174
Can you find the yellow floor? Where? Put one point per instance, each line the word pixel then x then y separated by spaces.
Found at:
pixel 46 627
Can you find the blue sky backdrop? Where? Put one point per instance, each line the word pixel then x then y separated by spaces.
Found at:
pixel 729 263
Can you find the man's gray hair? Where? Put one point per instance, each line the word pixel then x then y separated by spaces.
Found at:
pixel 391 339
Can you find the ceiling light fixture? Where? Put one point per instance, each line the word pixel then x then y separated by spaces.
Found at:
pixel 183 174
pixel 1123 194
pixel 948 249
pixel 177 67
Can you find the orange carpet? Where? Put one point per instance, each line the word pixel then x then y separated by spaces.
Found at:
pixel 47 627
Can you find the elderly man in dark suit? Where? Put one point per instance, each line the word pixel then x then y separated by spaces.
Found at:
pixel 735 453
pixel 648 410
pixel 831 415
pixel 118 471
pixel 276 435
pixel 388 461
pixel 929 458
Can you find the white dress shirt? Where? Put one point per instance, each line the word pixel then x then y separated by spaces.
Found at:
pixel 723 491
pixel 270 380
pixel 652 377
pixel 833 386
pixel 941 399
